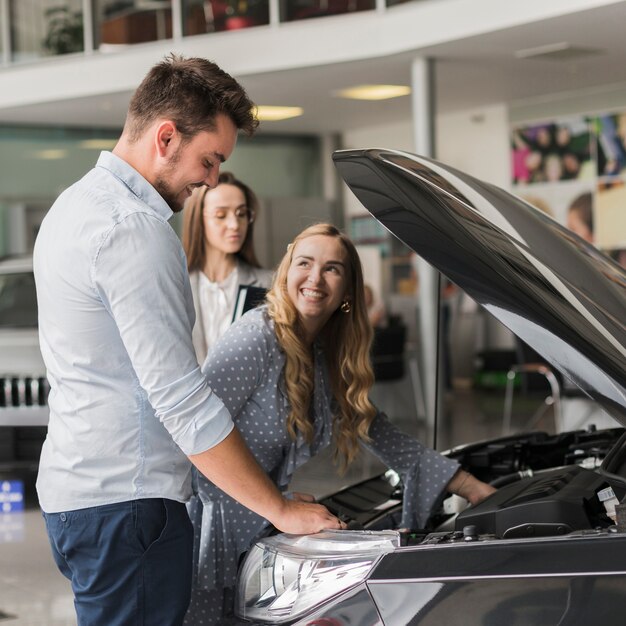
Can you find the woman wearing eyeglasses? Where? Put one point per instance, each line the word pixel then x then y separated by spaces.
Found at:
pixel 218 241
pixel 217 237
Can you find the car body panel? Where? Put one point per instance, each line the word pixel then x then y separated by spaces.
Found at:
pixel 530 581
pixel 555 291
pixel 23 385
pixel 355 607
pixel 20 354
pixel 517 601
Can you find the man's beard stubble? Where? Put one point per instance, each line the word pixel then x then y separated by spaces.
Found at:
pixel 163 186
pixel 165 191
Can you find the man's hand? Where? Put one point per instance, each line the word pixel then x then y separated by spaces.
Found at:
pixel 303 518
pixel 298 496
pixel 230 466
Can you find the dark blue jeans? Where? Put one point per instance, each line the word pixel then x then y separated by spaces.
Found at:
pixel 129 563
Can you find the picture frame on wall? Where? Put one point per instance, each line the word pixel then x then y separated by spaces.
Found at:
pixel 574 170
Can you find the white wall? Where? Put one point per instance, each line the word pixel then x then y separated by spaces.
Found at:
pixel 476 142
pixel 600 99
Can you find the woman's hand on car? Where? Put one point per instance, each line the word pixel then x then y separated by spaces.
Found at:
pixel 469 487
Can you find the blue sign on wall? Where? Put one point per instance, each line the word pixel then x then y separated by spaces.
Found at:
pixel 11 496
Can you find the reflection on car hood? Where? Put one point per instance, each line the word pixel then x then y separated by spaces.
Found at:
pixel 552 289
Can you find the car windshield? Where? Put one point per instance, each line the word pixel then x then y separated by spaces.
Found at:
pixel 18 301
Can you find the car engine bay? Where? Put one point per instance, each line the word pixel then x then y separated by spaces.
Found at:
pixel 548 485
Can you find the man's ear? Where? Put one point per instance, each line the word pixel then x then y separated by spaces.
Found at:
pixel 166 138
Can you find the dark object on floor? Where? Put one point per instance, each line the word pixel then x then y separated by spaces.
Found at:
pixel 4 615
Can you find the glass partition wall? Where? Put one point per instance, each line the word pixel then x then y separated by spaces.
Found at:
pixel 275 166
pixel 207 16
pixel 125 22
pixel 292 10
pixel 4 23
pixel 42 28
pixel 31 30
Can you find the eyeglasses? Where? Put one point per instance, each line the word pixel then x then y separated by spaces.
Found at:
pixel 242 214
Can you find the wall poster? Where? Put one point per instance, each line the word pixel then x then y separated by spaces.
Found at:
pixel 574 169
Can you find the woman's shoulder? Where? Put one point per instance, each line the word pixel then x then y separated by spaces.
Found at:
pixel 257 321
pixel 250 334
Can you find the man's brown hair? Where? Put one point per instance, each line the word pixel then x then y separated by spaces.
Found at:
pixel 191 92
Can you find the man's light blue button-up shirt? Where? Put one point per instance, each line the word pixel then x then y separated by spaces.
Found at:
pixel 128 401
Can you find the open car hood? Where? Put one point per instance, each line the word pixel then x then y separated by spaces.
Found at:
pixel 553 290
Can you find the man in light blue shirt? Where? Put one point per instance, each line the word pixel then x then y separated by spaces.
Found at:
pixel 129 406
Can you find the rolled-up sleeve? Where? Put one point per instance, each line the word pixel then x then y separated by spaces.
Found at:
pixel 425 472
pixel 148 296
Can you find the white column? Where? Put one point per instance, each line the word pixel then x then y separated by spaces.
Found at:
pixel 6 32
pixel 330 180
pixel 274 12
pixel 423 108
pixel 177 20
pixel 15 224
pixel 88 41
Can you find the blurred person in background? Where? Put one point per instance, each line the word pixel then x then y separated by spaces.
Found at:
pixel 218 239
pixel 580 216
pixel 375 307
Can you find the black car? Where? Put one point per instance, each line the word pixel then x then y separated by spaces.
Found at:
pixel 549 547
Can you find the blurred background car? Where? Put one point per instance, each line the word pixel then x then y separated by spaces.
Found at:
pixel 23 385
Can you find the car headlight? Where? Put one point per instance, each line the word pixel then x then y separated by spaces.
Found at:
pixel 285 576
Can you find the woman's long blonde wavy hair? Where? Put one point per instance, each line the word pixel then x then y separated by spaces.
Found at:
pixel 346 339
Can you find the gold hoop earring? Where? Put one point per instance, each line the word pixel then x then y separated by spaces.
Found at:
pixel 346 307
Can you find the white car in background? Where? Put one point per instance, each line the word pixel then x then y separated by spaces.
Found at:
pixel 23 385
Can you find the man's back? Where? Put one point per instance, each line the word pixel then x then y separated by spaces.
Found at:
pixel 114 319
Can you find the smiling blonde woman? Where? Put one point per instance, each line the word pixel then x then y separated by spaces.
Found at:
pixel 295 375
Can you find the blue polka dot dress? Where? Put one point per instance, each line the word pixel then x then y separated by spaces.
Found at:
pixel 245 369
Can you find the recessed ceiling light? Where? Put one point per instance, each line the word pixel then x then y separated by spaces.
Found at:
pixel 374 92
pixel 97 144
pixel 51 154
pixel 267 113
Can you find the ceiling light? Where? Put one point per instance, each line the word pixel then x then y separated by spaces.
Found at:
pixel 275 113
pixel 374 92
pixel 51 154
pixel 98 144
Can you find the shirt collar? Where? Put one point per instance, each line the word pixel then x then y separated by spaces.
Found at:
pixel 135 182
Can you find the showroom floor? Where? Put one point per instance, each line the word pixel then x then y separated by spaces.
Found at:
pixel 33 593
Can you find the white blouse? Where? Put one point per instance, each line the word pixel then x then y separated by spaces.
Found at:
pixel 216 303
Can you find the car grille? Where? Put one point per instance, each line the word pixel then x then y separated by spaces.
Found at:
pixel 23 391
